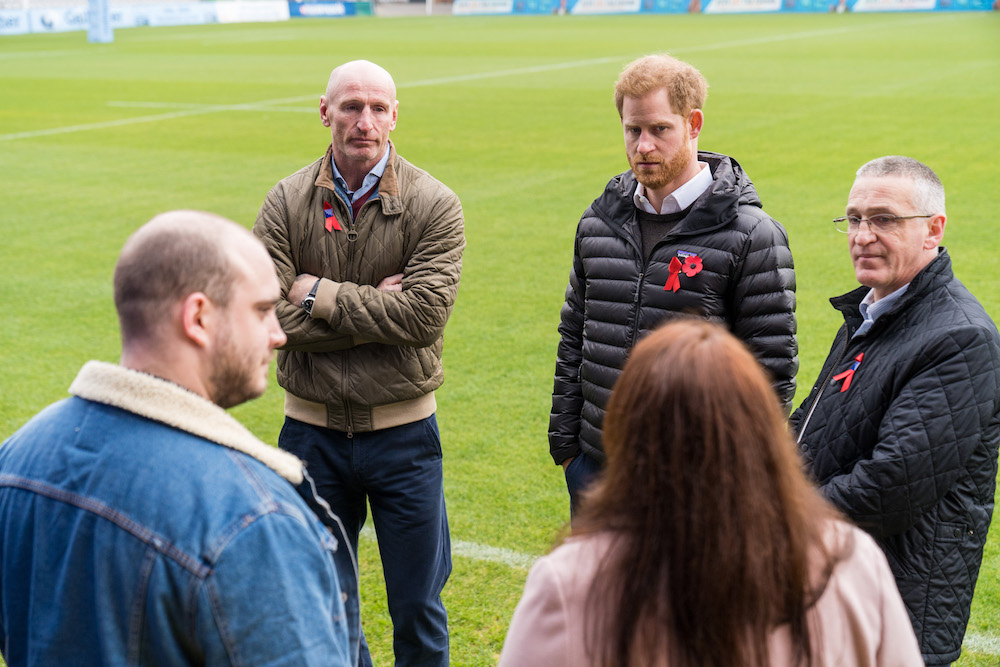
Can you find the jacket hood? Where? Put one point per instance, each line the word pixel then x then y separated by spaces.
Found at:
pixel 731 188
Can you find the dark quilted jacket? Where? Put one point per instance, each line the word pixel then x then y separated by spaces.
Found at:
pixel 909 450
pixel 742 276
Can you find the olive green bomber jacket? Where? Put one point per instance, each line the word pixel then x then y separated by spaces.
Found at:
pixel 364 359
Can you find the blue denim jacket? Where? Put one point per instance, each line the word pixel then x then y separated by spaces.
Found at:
pixel 129 536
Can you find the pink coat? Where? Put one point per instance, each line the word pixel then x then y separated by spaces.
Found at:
pixel 862 618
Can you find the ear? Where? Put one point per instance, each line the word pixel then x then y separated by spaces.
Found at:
pixel 935 231
pixel 197 312
pixel 395 115
pixel 323 108
pixel 696 120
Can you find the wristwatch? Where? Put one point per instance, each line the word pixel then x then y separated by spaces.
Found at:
pixel 310 299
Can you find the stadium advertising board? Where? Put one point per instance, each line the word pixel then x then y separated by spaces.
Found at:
pixel 192 13
pixel 58 20
pixel 263 11
pixel 741 6
pixel 483 7
pixel 606 7
pixel 64 19
pixel 13 22
pixel 893 5
pixel 325 9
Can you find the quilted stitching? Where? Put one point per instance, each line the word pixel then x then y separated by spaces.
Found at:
pixel 614 297
pixel 375 348
pixel 909 451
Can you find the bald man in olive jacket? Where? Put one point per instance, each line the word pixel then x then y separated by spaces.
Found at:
pixel 368 249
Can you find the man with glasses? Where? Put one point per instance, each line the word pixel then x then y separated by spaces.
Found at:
pixel 900 431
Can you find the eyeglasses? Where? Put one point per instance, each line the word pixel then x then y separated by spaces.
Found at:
pixel 881 222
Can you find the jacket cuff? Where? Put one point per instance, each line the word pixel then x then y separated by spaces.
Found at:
pixel 326 299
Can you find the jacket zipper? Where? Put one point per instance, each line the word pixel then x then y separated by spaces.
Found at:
pixel 352 237
pixel 635 306
pixel 822 388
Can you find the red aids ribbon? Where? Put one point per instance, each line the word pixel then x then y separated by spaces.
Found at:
pixel 331 219
pixel 848 375
pixel 674 281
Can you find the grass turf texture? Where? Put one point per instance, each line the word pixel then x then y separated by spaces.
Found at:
pixel 515 114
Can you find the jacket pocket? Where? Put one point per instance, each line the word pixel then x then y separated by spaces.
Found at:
pixel 950 532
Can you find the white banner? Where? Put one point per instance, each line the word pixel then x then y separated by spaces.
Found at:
pixel 892 5
pixel 468 7
pixel 253 11
pixel 59 20
pixel 606 7
pixel 185 13
pixel 13 22
pixel 742 6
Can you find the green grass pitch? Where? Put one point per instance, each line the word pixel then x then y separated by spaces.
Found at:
pixel 516 115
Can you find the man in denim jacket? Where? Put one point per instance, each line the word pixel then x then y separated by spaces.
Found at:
pixel 140 524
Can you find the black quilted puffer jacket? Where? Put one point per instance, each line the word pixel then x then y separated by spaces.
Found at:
pixel 730 263
pixel 908 449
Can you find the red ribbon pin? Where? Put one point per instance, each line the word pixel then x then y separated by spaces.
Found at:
pixel 331 219
pixel 848 375
pixel 674 281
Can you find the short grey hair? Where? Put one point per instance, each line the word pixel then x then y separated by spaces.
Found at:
pixel 928 191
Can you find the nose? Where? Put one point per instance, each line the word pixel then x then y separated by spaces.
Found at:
pixel 645 143
pixel 277 335
pixel 864 233
pixel 365 120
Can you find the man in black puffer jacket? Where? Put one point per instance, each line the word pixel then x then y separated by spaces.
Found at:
pixel 901 429
pixel 681 233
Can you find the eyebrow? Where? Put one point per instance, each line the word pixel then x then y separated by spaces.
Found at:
pixel 270 303
pixel 874 209
pixel 370 102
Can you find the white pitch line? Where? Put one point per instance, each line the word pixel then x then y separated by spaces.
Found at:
pixel 209 107
pixel 476 76
pixel 198 111
pixel 480 552
pixel 33 55
pixel 980 644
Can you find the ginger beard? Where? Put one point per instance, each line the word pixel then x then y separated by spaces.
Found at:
pixel 665 172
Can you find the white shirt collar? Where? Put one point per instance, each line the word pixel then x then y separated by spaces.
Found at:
pixel 679 199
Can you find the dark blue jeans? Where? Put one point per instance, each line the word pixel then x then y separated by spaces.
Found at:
pixel 580 473
pixel 398 471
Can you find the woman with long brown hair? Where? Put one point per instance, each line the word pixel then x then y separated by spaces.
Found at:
pixel 704 544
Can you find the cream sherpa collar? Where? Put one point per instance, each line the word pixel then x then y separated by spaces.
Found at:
pixel 171 404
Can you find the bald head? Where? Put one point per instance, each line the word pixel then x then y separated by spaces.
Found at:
pixel 360 72
pixel 173 255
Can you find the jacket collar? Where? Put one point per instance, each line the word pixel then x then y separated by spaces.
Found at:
pixel 154 398
pixel 388 186
pixel 716 207
pixel 932 275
